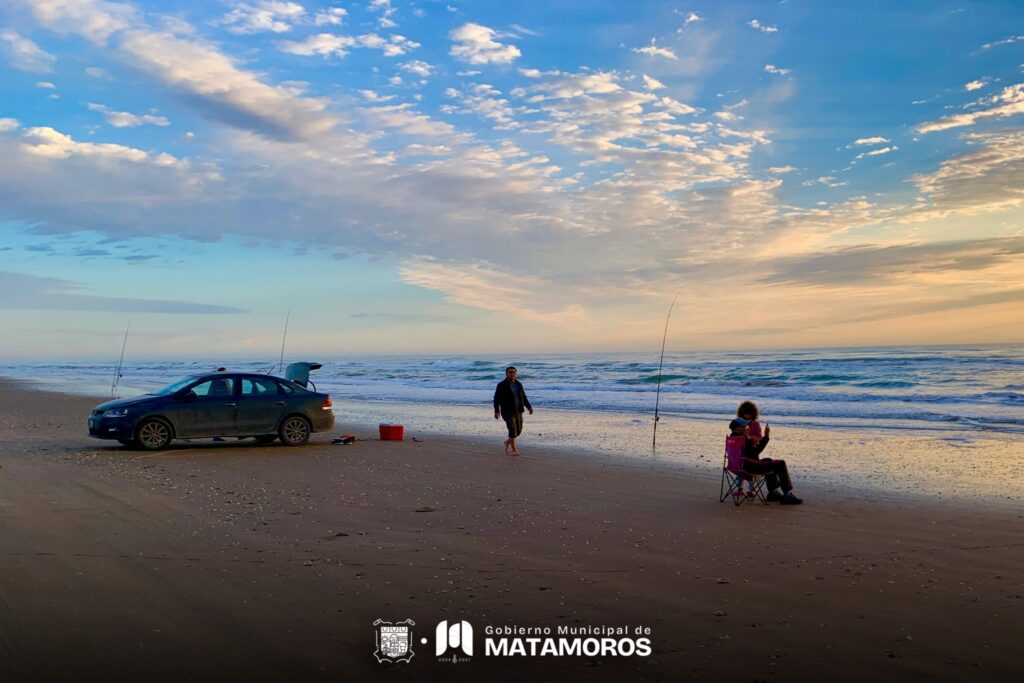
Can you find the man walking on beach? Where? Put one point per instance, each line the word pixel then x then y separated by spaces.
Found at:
pixel 509 402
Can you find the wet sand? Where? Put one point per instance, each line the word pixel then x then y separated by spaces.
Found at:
pixel 231 561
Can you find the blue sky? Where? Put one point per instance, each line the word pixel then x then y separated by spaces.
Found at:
pixel 459 177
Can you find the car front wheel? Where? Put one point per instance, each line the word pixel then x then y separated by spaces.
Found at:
pixel 153 434
pixel 295 431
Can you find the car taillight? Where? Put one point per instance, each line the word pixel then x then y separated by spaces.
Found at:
pixel 328 403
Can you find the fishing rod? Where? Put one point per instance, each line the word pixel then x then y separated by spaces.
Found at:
pixel 661 364
pixel 120 361
pixel 284 338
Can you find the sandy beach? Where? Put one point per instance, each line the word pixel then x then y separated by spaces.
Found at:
pixel 229 561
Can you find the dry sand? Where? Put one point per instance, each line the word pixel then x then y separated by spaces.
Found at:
pixel 230 561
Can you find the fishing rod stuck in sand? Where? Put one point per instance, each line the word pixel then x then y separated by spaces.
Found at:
pixel 661 364
pixel 120 362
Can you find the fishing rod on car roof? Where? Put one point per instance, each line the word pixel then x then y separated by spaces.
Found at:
pixel 120 361
pixel 661 364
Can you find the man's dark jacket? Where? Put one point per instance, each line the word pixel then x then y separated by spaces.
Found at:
pixel 751 450
pixel 510 398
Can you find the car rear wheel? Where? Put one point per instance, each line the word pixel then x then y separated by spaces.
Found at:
pixel 153 434
pixel 295 430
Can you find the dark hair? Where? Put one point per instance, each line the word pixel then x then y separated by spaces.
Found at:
pixel 747 408
pixel 511 367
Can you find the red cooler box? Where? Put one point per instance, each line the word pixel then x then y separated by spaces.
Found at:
pixel 391 432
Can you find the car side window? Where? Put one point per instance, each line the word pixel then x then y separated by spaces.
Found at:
pixel 215 388
pixel 285 388
pixel 252 386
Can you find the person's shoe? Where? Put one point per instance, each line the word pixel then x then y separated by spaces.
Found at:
pixel 791 499
pixel 773 496
pixel 737 494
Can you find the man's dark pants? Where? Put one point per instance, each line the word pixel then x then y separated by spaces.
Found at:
pixel 514 422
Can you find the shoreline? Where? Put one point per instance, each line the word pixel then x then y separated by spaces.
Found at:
pixel 231 560
pixel 930 469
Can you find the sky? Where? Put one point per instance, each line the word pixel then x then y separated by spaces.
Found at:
pixel 494 177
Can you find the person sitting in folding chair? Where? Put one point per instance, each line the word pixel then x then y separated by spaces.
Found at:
pixel 775 472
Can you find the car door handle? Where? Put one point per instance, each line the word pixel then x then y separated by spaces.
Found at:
pixel 231 405
pixel 278 403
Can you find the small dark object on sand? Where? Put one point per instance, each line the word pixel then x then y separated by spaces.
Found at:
pixel 344 440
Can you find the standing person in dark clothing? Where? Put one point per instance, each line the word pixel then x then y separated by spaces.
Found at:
pixel 775 471
pixel 509 402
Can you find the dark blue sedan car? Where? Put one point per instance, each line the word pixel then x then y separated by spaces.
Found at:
pixel 215 404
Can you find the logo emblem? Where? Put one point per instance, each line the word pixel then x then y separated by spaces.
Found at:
pixel 457 636
pixel 394 640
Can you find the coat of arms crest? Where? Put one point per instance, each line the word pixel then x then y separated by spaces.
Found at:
pixel 394 641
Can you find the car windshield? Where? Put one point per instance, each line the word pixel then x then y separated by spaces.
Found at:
pixel 175 387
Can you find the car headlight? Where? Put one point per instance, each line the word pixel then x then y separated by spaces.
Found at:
pixel 115 412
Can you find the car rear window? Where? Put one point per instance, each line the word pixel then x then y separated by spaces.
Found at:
pixel 256 386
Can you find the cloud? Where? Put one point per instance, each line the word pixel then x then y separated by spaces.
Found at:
pixel 21 291
pixel 874 140
pixel 484 287
pixel 1005 41
pixel 1009 102
pixel 97 72
pixel 826 180
pixel 332 16
pixel 976 85
pixel 403 118
pixel 46 85
pixel 877 152
pixel 201 74
pixel 485 101
pixel 52 144
pixel 373 96
pixel 267 16
pixel 523 31
pixel 329 44
pixel 113 189
pixel 94 20
pixel 772 69
pixel 870 263
pixel 224 92
pixel 652 83
pixel 417 67
pixel 653 50
pixel 476 44
pixel 123 119
pixel 386 11
pixel 688 18
pixel 322 44
pixel 763 28
pixel 24 55
pixel 990 178
pixel 607 180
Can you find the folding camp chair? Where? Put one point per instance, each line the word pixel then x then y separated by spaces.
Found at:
pixel 733 475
